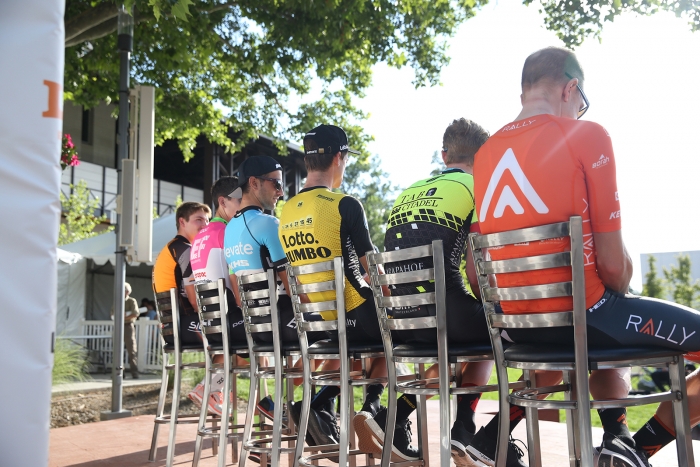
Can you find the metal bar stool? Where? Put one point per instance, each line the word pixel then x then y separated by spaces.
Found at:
pixel 575 361
pixel 167 308
pixel 419 354
pixel 333 280
pixel 256 289
pixel 212 308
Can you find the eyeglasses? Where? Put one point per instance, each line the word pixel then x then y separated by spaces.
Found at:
pixel 444 149
pixel 276 182
pixel 586 104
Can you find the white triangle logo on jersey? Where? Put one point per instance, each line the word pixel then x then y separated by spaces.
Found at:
pixel 507 198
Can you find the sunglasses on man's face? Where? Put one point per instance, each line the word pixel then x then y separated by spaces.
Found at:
pixel 275 181
pixel 586 104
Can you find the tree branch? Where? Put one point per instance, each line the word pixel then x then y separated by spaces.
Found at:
pixel 89 19
pixel 102 24
pixel 103 29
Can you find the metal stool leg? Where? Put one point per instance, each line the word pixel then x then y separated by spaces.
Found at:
pixel 161 405
pixel 681 416
pixel 174 409
pixel 533 429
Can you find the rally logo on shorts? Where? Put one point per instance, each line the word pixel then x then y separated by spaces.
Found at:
pixel 658 330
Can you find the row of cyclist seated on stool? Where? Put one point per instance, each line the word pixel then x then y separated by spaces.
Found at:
pixel 467 448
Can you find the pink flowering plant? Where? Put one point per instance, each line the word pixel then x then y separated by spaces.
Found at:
pixel 69 156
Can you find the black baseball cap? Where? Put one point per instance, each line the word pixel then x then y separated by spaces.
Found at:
pixel 255 166
pixel 330 139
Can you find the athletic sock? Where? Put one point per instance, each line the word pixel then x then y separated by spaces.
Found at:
pixel 466 406
pixel 405 406
pixel 615 422
pixel 323 396
pixel 374 393
pixel 516 414
pixel 653 436
pixel 217 383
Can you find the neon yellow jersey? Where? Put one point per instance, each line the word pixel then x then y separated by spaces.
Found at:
pixel 318 224
pixel 436 208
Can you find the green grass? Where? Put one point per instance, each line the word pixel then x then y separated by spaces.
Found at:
pixel 69 362
pixel 636 416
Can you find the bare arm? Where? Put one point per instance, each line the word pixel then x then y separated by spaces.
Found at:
pixel 613 262
pixel 191 296
pixel 471 273
pixel 234 286
pixel 365 265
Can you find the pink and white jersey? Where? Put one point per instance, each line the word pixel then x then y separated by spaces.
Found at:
pixel 207 254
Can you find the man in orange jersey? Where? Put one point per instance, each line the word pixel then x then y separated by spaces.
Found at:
pixel 543 168
pixel 173 268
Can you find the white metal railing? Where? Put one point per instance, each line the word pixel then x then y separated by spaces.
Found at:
pixel 97 338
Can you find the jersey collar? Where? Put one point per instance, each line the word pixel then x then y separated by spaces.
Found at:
pixel 218 219
pixel 248 208
pixel 314 188
pixel 452 171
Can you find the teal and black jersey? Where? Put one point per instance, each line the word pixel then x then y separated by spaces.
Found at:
pixel 437 208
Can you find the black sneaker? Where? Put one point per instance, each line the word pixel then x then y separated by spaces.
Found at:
pixel 322 428
pixel 266 406
pixel 330 405
pixel 295 413
pixel 482 451
pixel 460 439
pixel 255 457
pixel 613 452
pixel 366 442
pixel 402 450
pixel 332 421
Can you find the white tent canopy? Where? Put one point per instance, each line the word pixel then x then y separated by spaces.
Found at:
pixel 71 293
pixel 98 286
pixel 101 248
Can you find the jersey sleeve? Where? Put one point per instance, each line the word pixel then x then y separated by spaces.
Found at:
pixel 182 255
pixel 353 217
pixel 593 148
pixel 271 240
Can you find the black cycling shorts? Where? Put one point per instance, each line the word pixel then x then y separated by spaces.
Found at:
pixel 627 320
pixel 466 321
pixel 288 324
pixel 362 325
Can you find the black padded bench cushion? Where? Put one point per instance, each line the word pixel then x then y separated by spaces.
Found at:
pixel 331 347
pixel 535 353
pixel 171 347
pixel 430 350
pixel 268 347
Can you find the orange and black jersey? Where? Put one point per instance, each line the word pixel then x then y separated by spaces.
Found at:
pixel 173 269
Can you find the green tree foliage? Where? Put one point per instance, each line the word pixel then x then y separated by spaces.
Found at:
pixel 653 285
pixel 80 220
pixel 236 63
pixel 683 289
pixel 366 181
pixel 574 20
pixel 437 164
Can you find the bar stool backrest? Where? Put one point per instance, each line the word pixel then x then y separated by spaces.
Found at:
pixel 255 290
pixel 384 304
pixel 167 310
pixel 492 295
pixel 334 280
pixel 212 308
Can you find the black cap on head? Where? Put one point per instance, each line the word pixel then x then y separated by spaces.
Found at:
pixel 255 166
pixel 330 139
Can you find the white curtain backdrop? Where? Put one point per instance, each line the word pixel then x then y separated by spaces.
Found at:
pixel 31 97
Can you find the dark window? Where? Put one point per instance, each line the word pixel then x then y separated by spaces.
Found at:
pixel 86 129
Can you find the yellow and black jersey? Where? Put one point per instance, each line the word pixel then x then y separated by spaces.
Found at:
pixel 318 224
pixel 436 208
pixel 173 269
